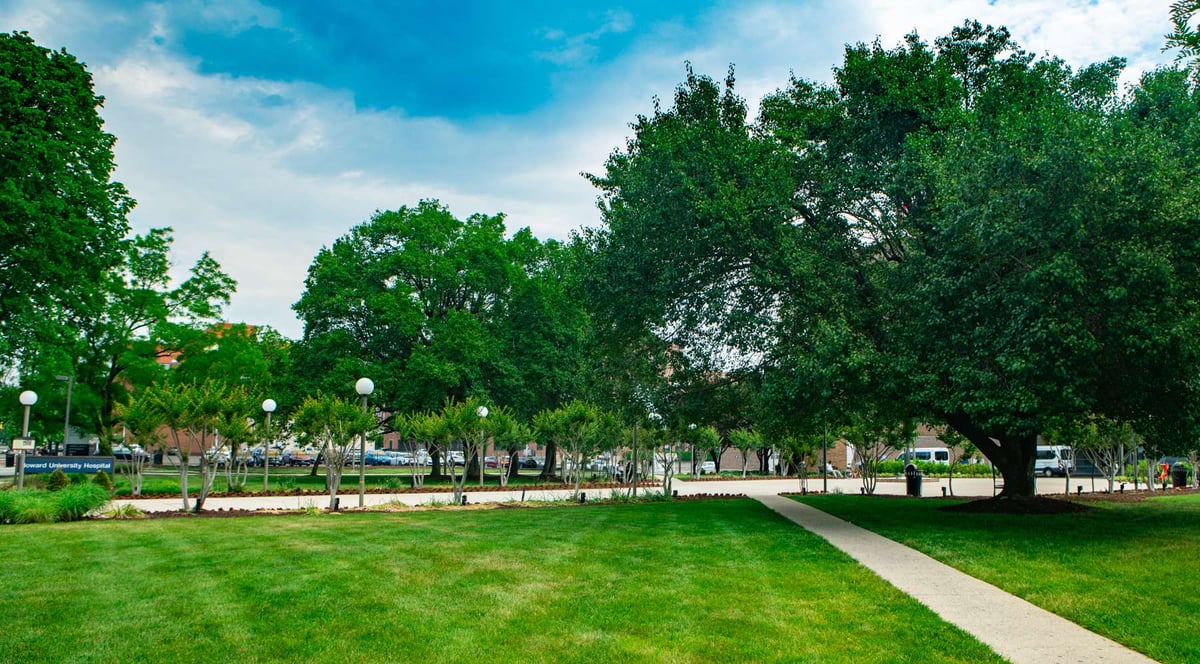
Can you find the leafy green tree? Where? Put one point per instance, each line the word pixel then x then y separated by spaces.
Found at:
pixel 1184 34
pixel 111 344
pixel 62 218
pixel 959 448
pixel 466 423
pixel 429 433
pixel 573 426
pixel 334 424
pixel 143 422
pixel 872 437
pixel 439 308
pixel 510 435
pixel 746 441
pixel 964 233
pixel 707 442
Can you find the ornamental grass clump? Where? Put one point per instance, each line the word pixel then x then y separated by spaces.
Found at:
pixel 70 503
pixel 77 501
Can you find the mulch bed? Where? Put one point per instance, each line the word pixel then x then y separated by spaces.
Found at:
pixel 221 513
pixel 391 490
pixel 1031 506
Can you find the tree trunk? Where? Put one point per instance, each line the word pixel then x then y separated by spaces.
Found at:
pixel 548 468
pixel 1012 455
pixel 183 478
pixel 435 463
pixel 514 465
pixel 763 454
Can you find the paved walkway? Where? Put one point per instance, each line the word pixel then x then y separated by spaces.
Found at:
pixel 1012 627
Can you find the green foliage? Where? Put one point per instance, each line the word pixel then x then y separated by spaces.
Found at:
pixel 57 480
pixel 437 307
pixel 959 232
pixel 62 219
pixel 333 425
pixel 102 479
pixel 126 511
pixel 71 503
pixel 78 500
pixel 1184 35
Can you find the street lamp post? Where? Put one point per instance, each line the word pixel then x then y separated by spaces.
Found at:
pixel 67 420
pixel 482 412
pixel 268 407
pixel 364 387
pixel 27 399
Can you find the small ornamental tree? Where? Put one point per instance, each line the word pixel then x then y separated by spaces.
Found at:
pixel 142 420
pixel 745 440
pixel 428 431
pixel 333 424
pixel 509 435
pixel 571 426
pixel 959 448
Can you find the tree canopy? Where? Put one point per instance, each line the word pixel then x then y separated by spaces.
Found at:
pixel 434 307
pixel 959 232
pixel 62 218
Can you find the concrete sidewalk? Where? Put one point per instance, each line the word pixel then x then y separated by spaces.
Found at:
pixel 1014 628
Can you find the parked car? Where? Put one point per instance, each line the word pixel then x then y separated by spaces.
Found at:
pixel 456 457
pixel 708 468
pixel 378 458
pixel 129 453
pixel 531 462
pixel 491 462
pixel 296 458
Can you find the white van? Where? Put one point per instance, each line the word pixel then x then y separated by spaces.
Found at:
pixel 933 454
pixel 1053 460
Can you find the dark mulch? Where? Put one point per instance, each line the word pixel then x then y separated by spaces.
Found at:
pixel 232 512
pixel 1032 505
pixel 470 488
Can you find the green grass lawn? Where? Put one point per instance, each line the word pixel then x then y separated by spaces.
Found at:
pixel 1124 570
pixel 700 581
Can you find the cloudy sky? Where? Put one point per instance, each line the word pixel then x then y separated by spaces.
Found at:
pixel 263 130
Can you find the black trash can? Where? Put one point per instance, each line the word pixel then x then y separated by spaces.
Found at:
pixel 912 480
pixel 1179 475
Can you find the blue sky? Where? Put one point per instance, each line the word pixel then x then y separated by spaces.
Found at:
pixel 263 130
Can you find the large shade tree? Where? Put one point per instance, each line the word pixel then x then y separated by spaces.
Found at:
pixel 960 231
pixel 62 218
pixel 439 308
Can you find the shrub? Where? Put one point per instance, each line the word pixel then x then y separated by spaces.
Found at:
pixel 8 500
pixel 102 479
pixel 57 480
pixel 75 502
